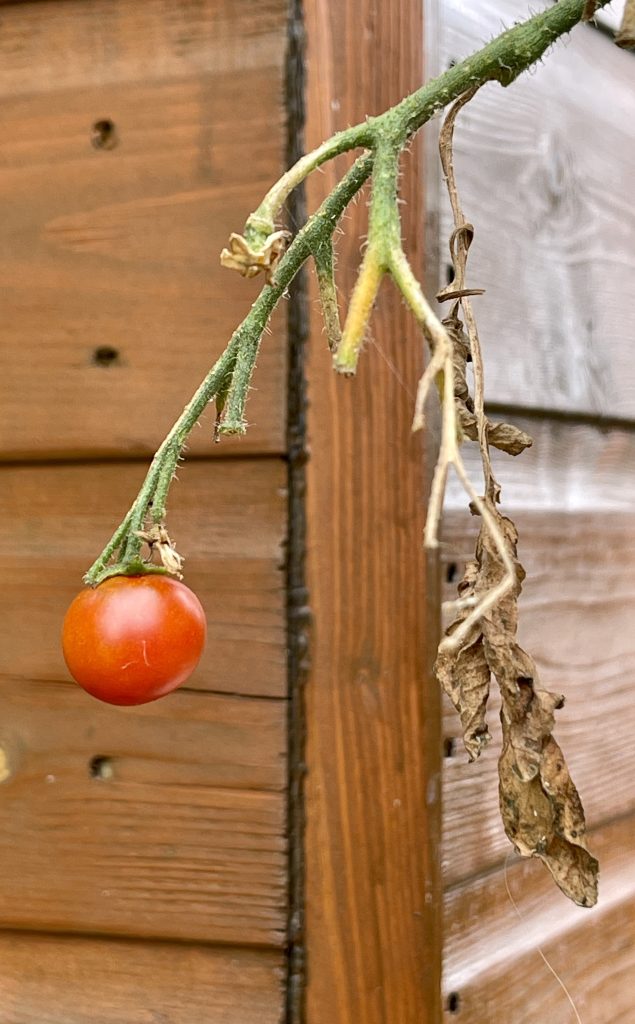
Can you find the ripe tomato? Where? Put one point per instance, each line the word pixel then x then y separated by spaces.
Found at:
pixel 133 638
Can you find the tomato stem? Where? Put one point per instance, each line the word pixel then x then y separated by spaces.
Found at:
pixel 262 249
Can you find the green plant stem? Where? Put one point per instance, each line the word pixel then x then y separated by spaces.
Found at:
pixel 324 260
pixel 261 223
pixel 502 60
pixel 385 135
pixel 153 493
pixel 384 236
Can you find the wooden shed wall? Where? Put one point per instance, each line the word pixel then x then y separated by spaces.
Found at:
pixel 545 171
pixel 165 822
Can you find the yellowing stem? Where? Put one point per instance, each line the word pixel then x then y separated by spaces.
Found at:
pixel 359 310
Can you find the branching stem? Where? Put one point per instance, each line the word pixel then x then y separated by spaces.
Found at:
pixel 261 248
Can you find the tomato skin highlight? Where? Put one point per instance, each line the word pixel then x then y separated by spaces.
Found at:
pixel 133 639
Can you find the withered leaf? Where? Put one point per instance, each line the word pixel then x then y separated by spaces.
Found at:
pixel 466 680
pixel 540 806
pixel 504 436
pixel 543 818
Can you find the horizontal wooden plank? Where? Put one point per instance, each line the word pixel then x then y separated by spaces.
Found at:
pixel 576 619
pixel 543 169
pixel 493 967
pixel 169 833
pixel 95 42
pixel 49 979
pixel 228 518
pixel 115 302
pixel 571 467
pixel 52 731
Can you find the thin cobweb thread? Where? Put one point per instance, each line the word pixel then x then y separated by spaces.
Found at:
pixel 538 949
pixel 393 369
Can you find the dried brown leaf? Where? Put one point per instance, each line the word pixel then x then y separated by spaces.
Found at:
pixel 543 818
pixel 540 806
pixel 465 677
pixel 504 436
pixel 626 35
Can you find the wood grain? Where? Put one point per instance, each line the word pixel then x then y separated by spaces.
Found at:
pixel 543 168
pixel 372 895
pixel 63 980
pixel 227 517
pixel 571 467
pixel 96 42
pixel 175 837
pixel 494 971
pixel 118 249
pixel 577 620
pixel 218 741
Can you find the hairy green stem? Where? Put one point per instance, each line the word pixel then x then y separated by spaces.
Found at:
pixel 385 135
pixel 502 60
pixel 153 493
pixel 384 236
pixel 324 260
pixel 262 221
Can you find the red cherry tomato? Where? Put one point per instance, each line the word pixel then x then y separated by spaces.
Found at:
pixel 133 639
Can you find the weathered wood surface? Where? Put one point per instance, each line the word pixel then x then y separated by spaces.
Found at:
pixel 65 980
pixel 372 875
pixel 577 620
pixel 113 254
pixel 544 172
pixel 55 732
pixel 227 517
pixel 493 970
pixel 571 467
pixel 179 834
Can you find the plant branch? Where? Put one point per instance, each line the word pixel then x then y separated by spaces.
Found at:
pixel 153 493
pixel 263 249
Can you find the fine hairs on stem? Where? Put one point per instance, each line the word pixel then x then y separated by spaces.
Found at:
pixel 262 250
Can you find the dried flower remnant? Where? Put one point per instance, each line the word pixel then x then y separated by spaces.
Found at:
pixel 250 261
pixel 158 539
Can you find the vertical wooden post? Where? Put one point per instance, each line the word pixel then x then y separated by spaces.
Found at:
pixel 373 753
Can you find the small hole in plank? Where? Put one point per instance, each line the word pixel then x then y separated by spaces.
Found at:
pixel 101 768
pixel 449 273
pixel 451 572
pixel 104 134
pixel 454 1002
pixel 105 355
pixel 449 746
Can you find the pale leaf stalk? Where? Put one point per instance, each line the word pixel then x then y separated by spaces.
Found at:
pixel 449 452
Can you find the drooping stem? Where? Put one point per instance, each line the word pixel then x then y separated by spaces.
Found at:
pixel 244 341
pixel 502 60
pixel 262 221
pixel 385 136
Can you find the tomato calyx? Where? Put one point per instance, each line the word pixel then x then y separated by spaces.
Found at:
pixel 131 563
pixel 137 567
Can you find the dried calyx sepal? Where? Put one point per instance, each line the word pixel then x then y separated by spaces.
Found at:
pixel 158 539
pixel 251 256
